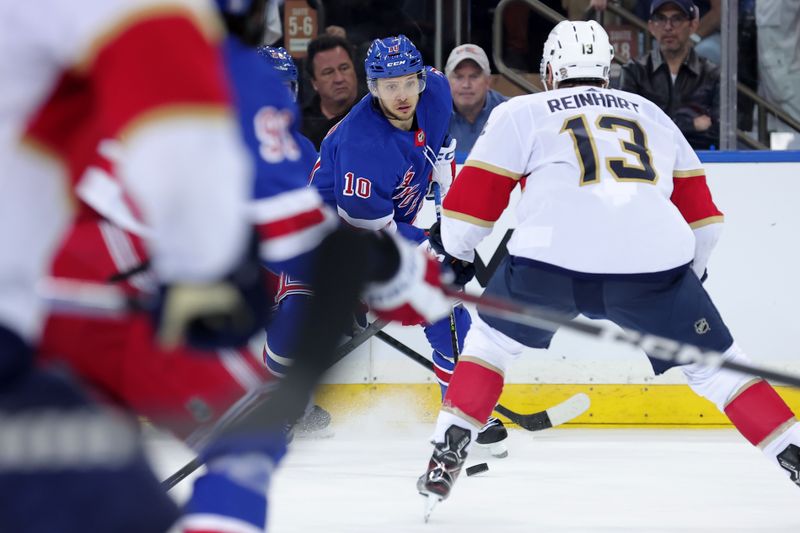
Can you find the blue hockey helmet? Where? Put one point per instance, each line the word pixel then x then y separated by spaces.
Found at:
pixel 282 63
pixel 393 57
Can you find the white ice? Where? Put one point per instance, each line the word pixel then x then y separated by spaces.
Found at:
pixel 556 481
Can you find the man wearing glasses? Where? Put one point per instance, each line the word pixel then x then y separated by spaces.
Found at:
pixel 674 77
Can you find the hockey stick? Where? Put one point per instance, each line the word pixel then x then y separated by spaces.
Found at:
pixel 437 202
pixel 249 402
pixel 655 346
pixel 554 416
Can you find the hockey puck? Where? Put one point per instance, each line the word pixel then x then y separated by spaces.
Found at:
pixel 477 469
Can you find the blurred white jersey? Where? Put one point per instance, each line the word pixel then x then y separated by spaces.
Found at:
pixel 610 185
pixel 75 72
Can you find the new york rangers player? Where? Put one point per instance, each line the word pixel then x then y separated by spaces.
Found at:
pixel 283 65
pixel 375 167
pixel 615 221
pixel 291 294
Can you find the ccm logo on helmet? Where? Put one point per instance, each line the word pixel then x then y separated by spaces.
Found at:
pixel 395 63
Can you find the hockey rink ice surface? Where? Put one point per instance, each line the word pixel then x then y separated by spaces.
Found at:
pixel 561 480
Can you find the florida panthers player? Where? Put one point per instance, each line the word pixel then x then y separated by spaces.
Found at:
pixel 375 167
pixel 146 72
pixel 589 157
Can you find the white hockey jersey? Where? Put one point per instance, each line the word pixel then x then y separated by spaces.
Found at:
pixel 143 71
pixel 610 185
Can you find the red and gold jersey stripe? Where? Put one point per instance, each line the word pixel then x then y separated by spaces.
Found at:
pixel 129 78
pixel 691 196
pixel 480 193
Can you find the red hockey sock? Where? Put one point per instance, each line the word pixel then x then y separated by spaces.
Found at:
pixel 758 411
pixel 474 389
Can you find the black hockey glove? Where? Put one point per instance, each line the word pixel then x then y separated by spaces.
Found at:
pixel 212 315
pixel 463 271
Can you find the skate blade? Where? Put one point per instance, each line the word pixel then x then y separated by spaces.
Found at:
pixel 497 449
pixel 430 502
pixel 325 433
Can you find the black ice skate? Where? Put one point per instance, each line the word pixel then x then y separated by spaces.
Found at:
pixel 443 469
pixel 789 459
pixel 492 437
pixel 314 424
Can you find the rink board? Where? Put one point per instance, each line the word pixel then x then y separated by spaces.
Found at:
pixel 612 405
pixel 752 279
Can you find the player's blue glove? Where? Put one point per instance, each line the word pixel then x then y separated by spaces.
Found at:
pixel 212 315
pixel 463 271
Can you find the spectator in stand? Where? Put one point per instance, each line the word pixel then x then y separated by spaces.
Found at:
pixel 778 30
pixel 707 40
pixel 468 72
pixel 673 76
pixel 329 64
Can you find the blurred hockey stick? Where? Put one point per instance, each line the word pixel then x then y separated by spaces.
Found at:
pixel 267 407
pixel 654 345
pixel 252 400
pixel 554 416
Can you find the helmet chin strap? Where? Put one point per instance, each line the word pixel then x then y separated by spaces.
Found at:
pixel 553 84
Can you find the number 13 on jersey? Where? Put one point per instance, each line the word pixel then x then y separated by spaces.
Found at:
pixel 633 143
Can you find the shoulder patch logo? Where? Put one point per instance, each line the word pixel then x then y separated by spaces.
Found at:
pixel 420 138
pixel 701 327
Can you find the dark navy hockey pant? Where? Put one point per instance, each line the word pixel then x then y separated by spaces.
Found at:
pixel 671 304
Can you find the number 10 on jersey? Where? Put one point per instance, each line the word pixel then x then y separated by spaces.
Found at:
pixel 360 187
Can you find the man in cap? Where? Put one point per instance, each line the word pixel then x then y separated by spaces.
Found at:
pixel 683 84
pixel 468 72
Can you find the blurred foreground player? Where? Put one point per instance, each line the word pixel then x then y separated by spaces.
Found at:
pixel 145 72
pixel 589 157
pixel 180 387
pixel 286 316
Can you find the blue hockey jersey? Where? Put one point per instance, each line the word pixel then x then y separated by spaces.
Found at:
pixel 375 174
pixel 290 217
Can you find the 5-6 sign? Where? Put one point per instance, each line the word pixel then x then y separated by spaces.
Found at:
pixel 300 25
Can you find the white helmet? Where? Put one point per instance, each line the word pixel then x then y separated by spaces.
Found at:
pixel 576 50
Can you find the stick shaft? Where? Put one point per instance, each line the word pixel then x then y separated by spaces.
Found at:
pixel 531 422
pixel 247 404
pixel 655 346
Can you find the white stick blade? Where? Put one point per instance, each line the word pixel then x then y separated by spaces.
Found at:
pixel 569 409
